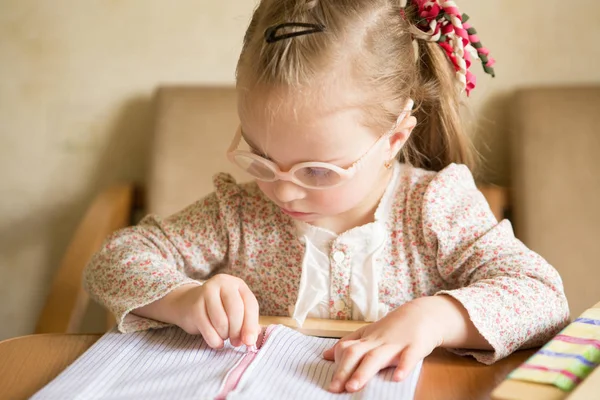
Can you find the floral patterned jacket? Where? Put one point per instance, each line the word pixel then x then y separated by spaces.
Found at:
pixel 442 239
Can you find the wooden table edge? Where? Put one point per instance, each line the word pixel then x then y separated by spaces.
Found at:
pixel 36 335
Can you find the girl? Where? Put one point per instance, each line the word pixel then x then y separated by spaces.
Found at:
pixel 360 209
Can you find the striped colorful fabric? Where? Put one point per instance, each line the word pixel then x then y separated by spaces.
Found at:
pixel 569 357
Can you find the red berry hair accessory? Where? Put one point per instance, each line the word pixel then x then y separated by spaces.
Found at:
pixel 444 24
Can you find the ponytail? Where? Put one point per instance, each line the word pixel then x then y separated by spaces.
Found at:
pixel 439 138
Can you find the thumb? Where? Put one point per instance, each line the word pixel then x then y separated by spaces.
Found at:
pixel 251 326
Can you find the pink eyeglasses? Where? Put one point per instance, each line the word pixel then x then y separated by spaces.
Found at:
pixel 310 175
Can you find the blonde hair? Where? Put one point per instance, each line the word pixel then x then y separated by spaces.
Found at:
pixel 374 38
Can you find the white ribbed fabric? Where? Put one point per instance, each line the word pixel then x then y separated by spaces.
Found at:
pixel 170 364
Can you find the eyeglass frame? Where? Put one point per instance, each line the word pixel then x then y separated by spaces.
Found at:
pixel 346 174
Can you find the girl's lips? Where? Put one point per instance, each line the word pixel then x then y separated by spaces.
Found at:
pixel 295 214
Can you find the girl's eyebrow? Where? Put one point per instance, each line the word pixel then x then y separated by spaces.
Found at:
pixel 264 155
pixel 253 146
pixel 249 141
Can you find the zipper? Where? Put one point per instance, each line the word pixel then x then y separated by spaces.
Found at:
pixel 233 377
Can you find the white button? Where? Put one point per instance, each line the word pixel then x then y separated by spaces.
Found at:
pixel 339 305
pixel 338 256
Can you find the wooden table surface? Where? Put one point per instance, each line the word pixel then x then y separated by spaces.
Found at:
pixel 28 363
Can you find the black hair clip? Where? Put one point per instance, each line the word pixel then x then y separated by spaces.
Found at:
pixel 271 33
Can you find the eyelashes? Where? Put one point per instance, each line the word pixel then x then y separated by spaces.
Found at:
pixel 253 149
pixel 260 153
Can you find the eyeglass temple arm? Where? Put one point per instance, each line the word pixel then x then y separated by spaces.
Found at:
pixel 236 140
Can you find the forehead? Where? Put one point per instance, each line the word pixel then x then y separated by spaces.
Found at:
pixel 303 124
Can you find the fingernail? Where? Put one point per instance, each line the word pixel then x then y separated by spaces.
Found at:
pixel 250 340
pixel 352 385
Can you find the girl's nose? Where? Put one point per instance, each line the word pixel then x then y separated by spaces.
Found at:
pixel 287 192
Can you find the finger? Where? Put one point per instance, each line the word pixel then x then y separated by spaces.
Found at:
pixel 216 313
pixel 329 354
pixel 340 348
pixel 208 332
pixel 234 308
pixel 348 356
pixel 408 359
pixel 373 362
pixel 251 326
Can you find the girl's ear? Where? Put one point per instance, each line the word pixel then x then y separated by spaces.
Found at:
pixel 400 136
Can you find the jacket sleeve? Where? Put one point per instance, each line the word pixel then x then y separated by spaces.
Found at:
pixel 512 295
pixel 141 264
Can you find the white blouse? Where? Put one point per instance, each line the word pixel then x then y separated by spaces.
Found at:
pixel 366 242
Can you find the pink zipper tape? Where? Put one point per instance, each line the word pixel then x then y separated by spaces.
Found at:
pixel 233 377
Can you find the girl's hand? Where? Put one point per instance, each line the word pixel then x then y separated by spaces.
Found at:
pixel 222 308
pixel 402 338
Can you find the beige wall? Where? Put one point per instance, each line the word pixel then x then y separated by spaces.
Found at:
pixel 76 80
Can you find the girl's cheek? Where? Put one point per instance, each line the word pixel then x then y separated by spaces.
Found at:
pixel 327 202
pixel 264 187
pixel 267 189
pixel 336 200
